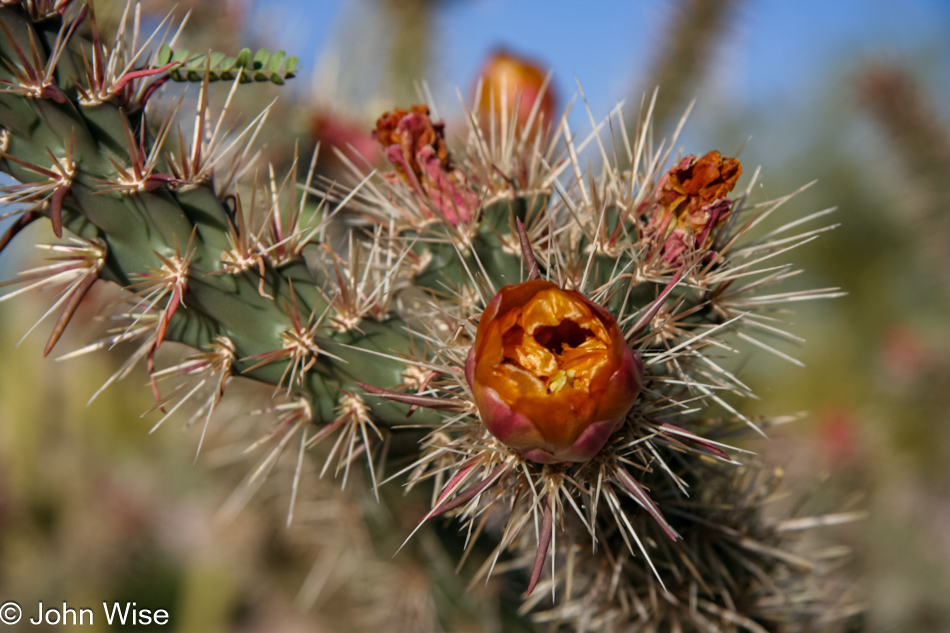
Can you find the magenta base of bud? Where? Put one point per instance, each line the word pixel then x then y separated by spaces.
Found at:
pixel 591 442
pixel 519 433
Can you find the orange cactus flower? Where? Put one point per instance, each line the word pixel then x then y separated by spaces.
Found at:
pixel 551 372
pixel 515 79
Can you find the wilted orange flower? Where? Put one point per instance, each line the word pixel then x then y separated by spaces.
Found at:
pixel 551 372
pixel 516 79
pixel 692 198
pixel 416 148
pixel 694 185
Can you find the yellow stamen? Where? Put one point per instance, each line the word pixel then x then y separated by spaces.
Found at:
pixel 561 378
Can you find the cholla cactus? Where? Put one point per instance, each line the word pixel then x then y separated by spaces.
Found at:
pixel 555 337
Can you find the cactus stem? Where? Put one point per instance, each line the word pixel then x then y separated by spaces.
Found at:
pixel 139 176
pixel 364 289
pixel 170 280
pixel 284 233
pixel 300 345
pixel 245 252
pixel 241 157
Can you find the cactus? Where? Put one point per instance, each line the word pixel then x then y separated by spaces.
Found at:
pixel 359 304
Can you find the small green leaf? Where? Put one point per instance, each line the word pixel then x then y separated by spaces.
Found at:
pixel 164 55
pixel 276 60
pixel 260 58
pixel 244 58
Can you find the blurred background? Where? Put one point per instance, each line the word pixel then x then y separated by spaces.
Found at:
pixel 851 93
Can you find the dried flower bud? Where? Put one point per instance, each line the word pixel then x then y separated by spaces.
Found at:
pixel 692 199
pixel 416 148
pixel 513 78
pixel 551 372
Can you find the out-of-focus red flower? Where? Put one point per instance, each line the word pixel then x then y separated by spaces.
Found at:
pixel 551 372
pixel 903 355
pixel 508 81
pixel 416 148
pixel 332 130
pixel 691 200
pixel 839 437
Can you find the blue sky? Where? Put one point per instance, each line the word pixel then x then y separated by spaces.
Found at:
pixel 775 50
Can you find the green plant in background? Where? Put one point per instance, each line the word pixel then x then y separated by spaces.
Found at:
pixel 542 352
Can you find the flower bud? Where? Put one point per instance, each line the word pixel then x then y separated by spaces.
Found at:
pixel 694 184
pixel 518 81
pixel 691 201
pixel 551 372
pixel 415 146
